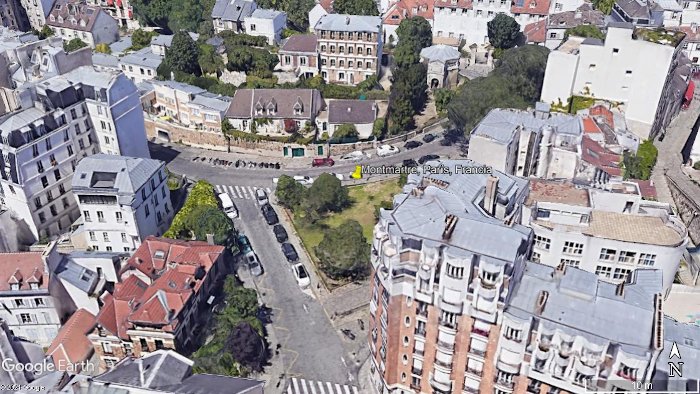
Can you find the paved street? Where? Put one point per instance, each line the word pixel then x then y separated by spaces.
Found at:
pixel 311 347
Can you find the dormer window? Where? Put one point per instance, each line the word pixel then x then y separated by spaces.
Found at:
pixel 298 107
pixel 14 286
pixel 33 286
pixel 533 4
pixel 52 18
pixel 159 254
pixel 272 107
pixel 73 21
pixel 82 22
pixel 60 19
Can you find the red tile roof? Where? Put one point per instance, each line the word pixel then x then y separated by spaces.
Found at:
pixel 604 114
pixel 174 268
pixel 22 268
pixel 593 153
pixel 327 5
pixel 692 34
pixel 590 126
pixel 646 188
pixel 71 345
pixel 464 4
pixel 405 9
pixel 533 7
pixel 536 32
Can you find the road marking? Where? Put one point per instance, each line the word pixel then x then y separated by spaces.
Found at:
pixel 245 192
pixel 306 308
pixel 330 387
pixel 238 192
pixel 346 389
pixel 231 192
pixel 313 387
pixel 338 389
pixel 343 360
pixel 296 386
pixel 252 191
pixel 218 189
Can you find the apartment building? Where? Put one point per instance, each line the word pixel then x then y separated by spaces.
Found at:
pixel 647 13
pixel 557 24
pixel 160 300
pixel 445 261
pixel 77 19
pixel 266 23
pixel 13 16
pixel 231 14
pixel 609 232
pixel 298 54
pixel 29 310
pixel 121 10
pixel 123 200
pixel 565 331
pixel 617 70
pixel 359 113
pixel 37 11
pixel 350 47
pixel 274 111
pixel 397 11
pixel 141 65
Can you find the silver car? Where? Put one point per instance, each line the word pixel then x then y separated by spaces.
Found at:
pixel 253 263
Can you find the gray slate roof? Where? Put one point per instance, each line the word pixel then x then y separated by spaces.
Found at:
pixel 143 58
pixel 105 60
pixel 245 101
pixel 687 339
pixel 213 101
pixel 344 22
pixel 580 304
pixel 232 10
pixel 351 111
pixel 166 40
pixel 126 174
pixel 583 15
pixel 501 124
pixel 475 233
pixel 191 89
pixel 262 13
pixel 77 275
pixel 120 46
pixel 441 53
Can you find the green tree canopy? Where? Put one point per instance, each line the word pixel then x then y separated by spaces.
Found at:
pixel 604 6
pixel 183 54
pixel 524 67
pixel 103 48
pixel 250 348
pixel 327 194
pixel 503 31
pixel 346 133
pixel 210 220
pixel 443 98
pixel 356 7
pixel 44 33
pixel 141 38
pixel 344 251
pixel 639 166
pixel 408 96
pixel 256 61
pixel 289 192
pixel 414 34
pixel 584 31
pixel 209 61
pixel 74 45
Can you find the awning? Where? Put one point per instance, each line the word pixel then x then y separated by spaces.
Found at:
pixel 690 91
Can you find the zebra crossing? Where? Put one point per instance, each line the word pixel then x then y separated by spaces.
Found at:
pixel 303 386
pixel 240 192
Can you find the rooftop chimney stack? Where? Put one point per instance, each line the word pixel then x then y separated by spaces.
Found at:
pixel 347 20
pixel 450 224
pixel 541 302
pixel 490 197
pixel 620 289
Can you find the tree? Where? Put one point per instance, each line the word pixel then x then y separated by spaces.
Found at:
pixel 141 38
pixel 289 192
pixel 442 98
pixel 378 127
pixel 209 61
pixel 186 15
pixel 103 48
pixel 298 13
pixel 591 31
pixel 356 7
pixel 345 133
pixel 524 67
pixel 327 194
pixel 639 166
pixel 183 54
pixel 204 220
pixel 74 45
pixel 503 31
pixel 604 6
pixel 414 34
pixel 344 251
pixel 408 96
pixel 44 33
pixel 249 347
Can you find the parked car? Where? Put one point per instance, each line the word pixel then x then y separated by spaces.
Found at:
pixel 339 176
pixel 427 158
pixel 354 156
pixel 228 206
pixel 304 179
pixel 410 163
pixel 261 196
pixel 322 162
pixel 301 276
pixel 412 144
pixel 289 252
pixel 253 263
pixel 280 233
pixel 244 244
pixel 428 138
pixel 269 214
pixel 387 150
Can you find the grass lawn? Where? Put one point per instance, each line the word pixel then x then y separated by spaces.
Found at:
pixel 365 198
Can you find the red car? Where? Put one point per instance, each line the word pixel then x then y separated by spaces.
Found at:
pixel 323 162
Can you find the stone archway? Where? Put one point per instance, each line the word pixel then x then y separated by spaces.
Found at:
pixel 434 83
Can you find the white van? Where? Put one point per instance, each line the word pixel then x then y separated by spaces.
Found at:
pixel 228 206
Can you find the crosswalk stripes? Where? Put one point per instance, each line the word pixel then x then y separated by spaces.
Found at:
pixel 240 192
pixel 303 386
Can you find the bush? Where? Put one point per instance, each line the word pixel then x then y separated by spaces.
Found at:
pixel 74 45
pixel 696 165
pixel 202 195
pixel 344 252
pixel 232 39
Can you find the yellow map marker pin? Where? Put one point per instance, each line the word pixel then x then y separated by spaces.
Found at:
pixel 357 174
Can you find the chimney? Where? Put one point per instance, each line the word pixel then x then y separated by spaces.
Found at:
pixel 349 109
pixel 620 289
pixel 450 224
pixel 560 270
pixel 347 20
pixel 490 197
pixel 142 377
pixel 210 239
pixel 541 302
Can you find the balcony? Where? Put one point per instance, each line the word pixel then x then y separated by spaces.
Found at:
pixel 444 364
pixel 474 373
pixel 479 332
pixel 422 312
pixel 627 376
pixel 440 386
pixel 470 390
pixel 448 324
pixel 446 347
pixel 419 352
pixel 504 383
pixel 477 352
pixel 415 387
pixel 420 332
pixel 416 371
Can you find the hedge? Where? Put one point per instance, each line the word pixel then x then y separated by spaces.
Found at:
pixel 202 194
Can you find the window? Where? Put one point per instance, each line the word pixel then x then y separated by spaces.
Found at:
pixel 44 181
pixel 109 248
pixel 39 302
pixel 19 302
pixel 621 274
pixel 49 195
pixel 553 35
pixel 105 236
pixel 107 347
pixel 163 191
pixel 86 216
pixel 48 145
pixel 57 175
pixel 454 272
pixel 65 201
pixel 616 50
pixel 37 202
pixel 573 248
pixel 628 72
pixel 70 150
pixel 603 271
pixel 40 167
pixel 591 67
pixel 514 334
pixel 607 254
pixel 535 257
pixel 542 242
pixel 627 257
pixel 25 318
pixel 148 211
pixel 124 239
pixel 143 193
pixel 647 259
pixel 81 144
pixel 570 263
pixel 92 236
pixel 332 62
pixel 35 150
pixel 100 216
pixel 54 212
